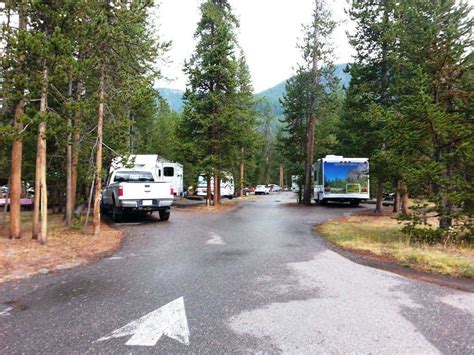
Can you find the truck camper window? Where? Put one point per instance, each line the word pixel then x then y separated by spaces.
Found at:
pixel 133 176
pixel 168 171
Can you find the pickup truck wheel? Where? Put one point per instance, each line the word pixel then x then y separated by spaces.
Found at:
pixel 164 215
pixel 116 214
pixel 103 209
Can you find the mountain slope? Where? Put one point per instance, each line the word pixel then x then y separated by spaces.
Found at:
pixel 275 93
pixel 272 95
pixel 174 98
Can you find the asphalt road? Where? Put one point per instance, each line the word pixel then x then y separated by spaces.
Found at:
pixel 253 280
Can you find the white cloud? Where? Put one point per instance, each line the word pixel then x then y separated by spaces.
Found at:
pixel 269 31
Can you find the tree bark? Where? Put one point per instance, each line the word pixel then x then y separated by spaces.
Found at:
pixel 69 206
pixel 37 201
pixel 76 137
pixel 281 176
pixel 98 159
pixel 216 188
pixel 242 168
pixel 309 160
pixel 15 175
pixel 41 193
pixel 379 202
pixel 397 201
pixel 17 147
pixel 312 116
pixel 208 191
pixel 44 191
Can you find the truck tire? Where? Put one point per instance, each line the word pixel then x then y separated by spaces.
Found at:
pixel 103 208
pixel 164 215
pixel 354 203
pixel 117 214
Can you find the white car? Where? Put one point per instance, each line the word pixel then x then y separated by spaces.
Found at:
pixel 274 188
pixel 262 190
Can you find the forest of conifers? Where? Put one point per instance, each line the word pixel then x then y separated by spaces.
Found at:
pixel 78 88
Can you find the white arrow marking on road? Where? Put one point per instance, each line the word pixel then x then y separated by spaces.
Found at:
pixel 146 331
pixel 216 239
pixel 6 311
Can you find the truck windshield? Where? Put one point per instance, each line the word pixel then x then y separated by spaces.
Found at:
pixel 133 176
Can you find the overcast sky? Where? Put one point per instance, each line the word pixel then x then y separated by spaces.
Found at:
pixel 269 31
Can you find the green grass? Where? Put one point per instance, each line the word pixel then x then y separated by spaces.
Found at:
pixel 381 235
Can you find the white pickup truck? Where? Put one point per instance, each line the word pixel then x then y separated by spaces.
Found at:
pixel 131 191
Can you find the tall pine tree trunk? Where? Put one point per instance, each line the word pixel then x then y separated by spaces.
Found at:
pixel 216 190
pixel 40 231
pixel 37 201
pixel 69 206
pixel 98 159
pixel 397 202
pixel 208 191
pixel 17 147
pixel 312 116
pixel 242 168
pixel 379 202
pixel 15 175
pixel 404 198
pixel 309 160
pixel 76 137
pixel 281 176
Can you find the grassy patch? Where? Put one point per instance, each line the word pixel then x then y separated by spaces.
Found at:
pixel 382 236
pixel 66 248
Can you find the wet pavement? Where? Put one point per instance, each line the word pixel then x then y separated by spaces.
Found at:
pixel 256 279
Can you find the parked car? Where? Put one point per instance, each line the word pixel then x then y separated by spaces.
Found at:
pixel 262 190
pixel 274 188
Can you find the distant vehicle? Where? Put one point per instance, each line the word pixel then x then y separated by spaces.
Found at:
pixel 26 199
pixel 274 188
pixel 135 187
pixel 262 190
pixel 295 187
pixel 341 179
pixel 226 185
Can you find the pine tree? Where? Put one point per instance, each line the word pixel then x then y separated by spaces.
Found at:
pixel 306 94
pixel 246 119
pixel 317 54
pixel 369 96
pixel 433 84
pixel 14 79
pixel 209 126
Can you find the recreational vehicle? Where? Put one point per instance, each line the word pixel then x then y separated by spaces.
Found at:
pixel 341 179
pixel 227 186
pixel 164 169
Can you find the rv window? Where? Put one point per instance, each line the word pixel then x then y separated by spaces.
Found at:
pixel 168 171
pixel 132 176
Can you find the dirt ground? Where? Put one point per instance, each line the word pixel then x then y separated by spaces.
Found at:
pixel 66 248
